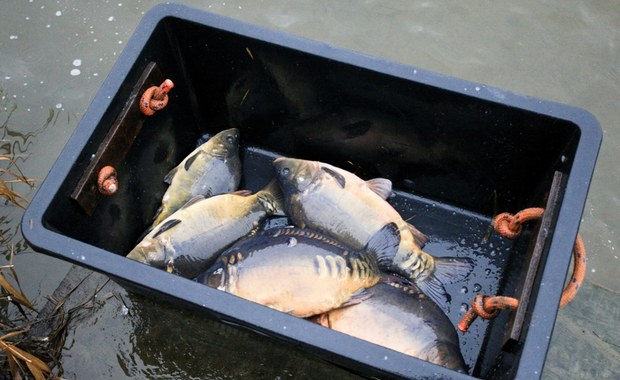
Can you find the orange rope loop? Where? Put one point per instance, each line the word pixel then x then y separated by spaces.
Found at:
pixel 107 183
pixel 155 98
pixel 510 226
pixel 486 307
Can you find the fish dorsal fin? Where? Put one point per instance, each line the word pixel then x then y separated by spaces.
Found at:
pixel 384 244
pixel 380 186
pixel 337 176
pixel 166 226
pixel 192 201
pixel 168 178
pixel 419 237
pixel 190 160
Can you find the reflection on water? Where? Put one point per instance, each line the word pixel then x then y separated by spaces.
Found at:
pixel 55 55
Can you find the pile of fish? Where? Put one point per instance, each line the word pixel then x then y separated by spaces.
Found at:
pixel 347 261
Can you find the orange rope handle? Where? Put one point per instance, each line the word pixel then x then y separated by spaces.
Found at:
pixel 107 183
pixel 579 271
pixel 486 307
pixel 155 98
pixel 510 226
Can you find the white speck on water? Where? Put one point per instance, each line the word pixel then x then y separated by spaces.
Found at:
pixel 94 40
pixel 415 71
pixel 120 42
pixel 7 78
pixel 385 358
pixel 82 257
pixel 95 74
pixel 75 72
pixel 111 18
pixel 13 37
pixel 477 88
pixel 593 270
pixel 48 26
pixel 120 4
pixel 27 18
pixel 58 13
pixel 77 62
pixel 59 105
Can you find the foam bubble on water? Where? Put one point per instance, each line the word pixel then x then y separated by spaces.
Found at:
pixel 77 62
pixel 75 72
pixel 59 105
pixel 593 270
pixel 58 13
pixel 13 37
pixel 48 26
pixel 111 18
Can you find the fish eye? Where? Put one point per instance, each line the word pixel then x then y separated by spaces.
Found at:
pixel 230 139
pixel 285 172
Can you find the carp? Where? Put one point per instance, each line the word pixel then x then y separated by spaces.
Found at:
pixel 190 239
pixel 398 316
pixel 296 271
pixel 340 204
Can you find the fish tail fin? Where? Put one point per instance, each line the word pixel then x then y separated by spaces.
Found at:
pixel 384 244
pixel 447 270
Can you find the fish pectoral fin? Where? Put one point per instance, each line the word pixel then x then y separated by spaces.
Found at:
pixel 337 176
pixel 190 160
pixel 380 186
pixel 384 244
pixel 168 178
pixel 359 296
pixel 166 226
pixel 243 193
pixel 419 237
pixel 192 201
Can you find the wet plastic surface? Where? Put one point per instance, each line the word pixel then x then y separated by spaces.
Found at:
pixel 457 153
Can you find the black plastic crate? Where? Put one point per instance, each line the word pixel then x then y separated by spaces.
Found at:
pixel 457 152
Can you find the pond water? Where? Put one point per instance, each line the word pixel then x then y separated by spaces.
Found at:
pixel 54 56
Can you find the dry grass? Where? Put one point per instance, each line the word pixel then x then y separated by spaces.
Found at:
pixel 20 355
pixel 10 174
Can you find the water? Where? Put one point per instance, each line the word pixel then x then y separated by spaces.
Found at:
pixel 54 57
